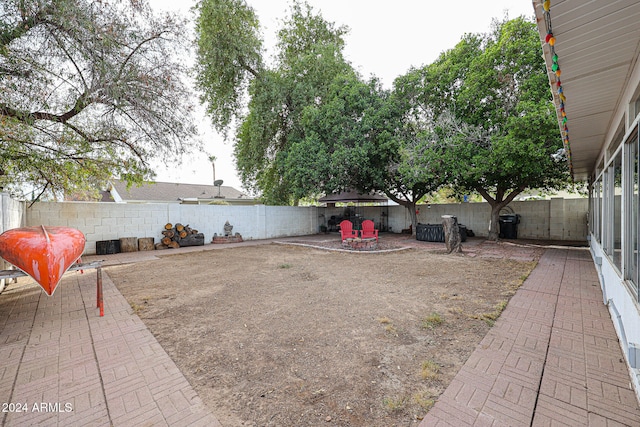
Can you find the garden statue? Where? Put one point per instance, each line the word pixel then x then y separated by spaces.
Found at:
pixel 227 229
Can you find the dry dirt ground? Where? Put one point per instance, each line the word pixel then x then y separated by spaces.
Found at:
pixel 283 335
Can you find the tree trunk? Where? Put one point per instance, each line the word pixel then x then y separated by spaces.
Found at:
pixel 452 238
pixel 414 217
pixel 494 222
pixel 411 206
pixel 409 202
pixel 497 203
pixel 146 244
pixel 192 240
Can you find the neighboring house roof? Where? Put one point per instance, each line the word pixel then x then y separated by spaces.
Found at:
pixel 173 193
pixel 353 196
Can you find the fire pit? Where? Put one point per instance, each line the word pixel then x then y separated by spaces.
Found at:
pixel 358 244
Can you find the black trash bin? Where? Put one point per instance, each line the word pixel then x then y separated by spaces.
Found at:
pixel 463 232
pixel 509 226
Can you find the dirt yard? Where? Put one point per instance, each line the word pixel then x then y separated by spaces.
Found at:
pixel 281 335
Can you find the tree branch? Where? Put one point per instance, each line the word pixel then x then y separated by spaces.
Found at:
pixel 247 67
pixel 135 49
pixel 485 194
pixel 81 103
pixel 20 29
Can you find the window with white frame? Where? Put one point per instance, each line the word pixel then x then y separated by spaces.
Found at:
pixel 596 210
pixel 612 209
pixel 632 269
pixel 634 107
pixel 617 210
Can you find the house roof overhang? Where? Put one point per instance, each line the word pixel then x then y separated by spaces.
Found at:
pixel 597 44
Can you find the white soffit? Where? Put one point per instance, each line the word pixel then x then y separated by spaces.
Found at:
pixel 597 43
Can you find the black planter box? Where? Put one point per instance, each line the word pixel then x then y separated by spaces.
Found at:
pixel 107 247
pixel 435 232
pixel 430 232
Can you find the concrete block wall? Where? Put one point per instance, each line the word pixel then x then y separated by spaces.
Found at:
pixel 281 221
pixel 474 216
pixel 12 215
pixel 555 219
pixel 102 221
pixel 110 221
pixel 399 218
pixel 575 214
pixel 534 218
pixel 561 219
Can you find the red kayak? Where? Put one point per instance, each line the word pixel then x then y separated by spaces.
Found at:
pixel 44 253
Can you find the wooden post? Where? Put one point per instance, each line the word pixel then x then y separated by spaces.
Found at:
pixel 128 244
pixel 452 237
pixel 146 244
pixel 100 296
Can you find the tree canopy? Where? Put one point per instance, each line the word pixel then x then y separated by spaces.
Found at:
pixel 229 55
pixel 348 140
pixel 479 118
pixel 489 103
pixel 89 90
pixel 309 57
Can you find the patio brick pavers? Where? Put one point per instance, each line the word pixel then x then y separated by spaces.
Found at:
pixel 63 365
pixel 552 358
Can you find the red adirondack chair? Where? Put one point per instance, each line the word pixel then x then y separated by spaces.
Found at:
pixel 368 230
pixel 346 230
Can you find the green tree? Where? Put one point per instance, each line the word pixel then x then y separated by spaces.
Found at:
pixel 88 90
pixel 490 104
pixel 348 140
pixel 368 139
pixel 417 169
pixel 309 57
pixel 228 56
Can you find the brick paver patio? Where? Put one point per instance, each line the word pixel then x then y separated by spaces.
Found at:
pixel 63 365
pixel 552 358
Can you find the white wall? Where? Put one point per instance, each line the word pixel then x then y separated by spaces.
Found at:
pixel 555 219
pixel 623 307
pixel 11 213
pixel 11 216
pixel 561 219
pixel 110 221
pixel 475 216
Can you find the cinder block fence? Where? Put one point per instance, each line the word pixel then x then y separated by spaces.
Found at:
pixel 555 219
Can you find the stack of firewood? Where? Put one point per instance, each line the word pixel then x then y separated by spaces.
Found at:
pixel 175 236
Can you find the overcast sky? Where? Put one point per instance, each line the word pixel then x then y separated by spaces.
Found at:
pixel 386 38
